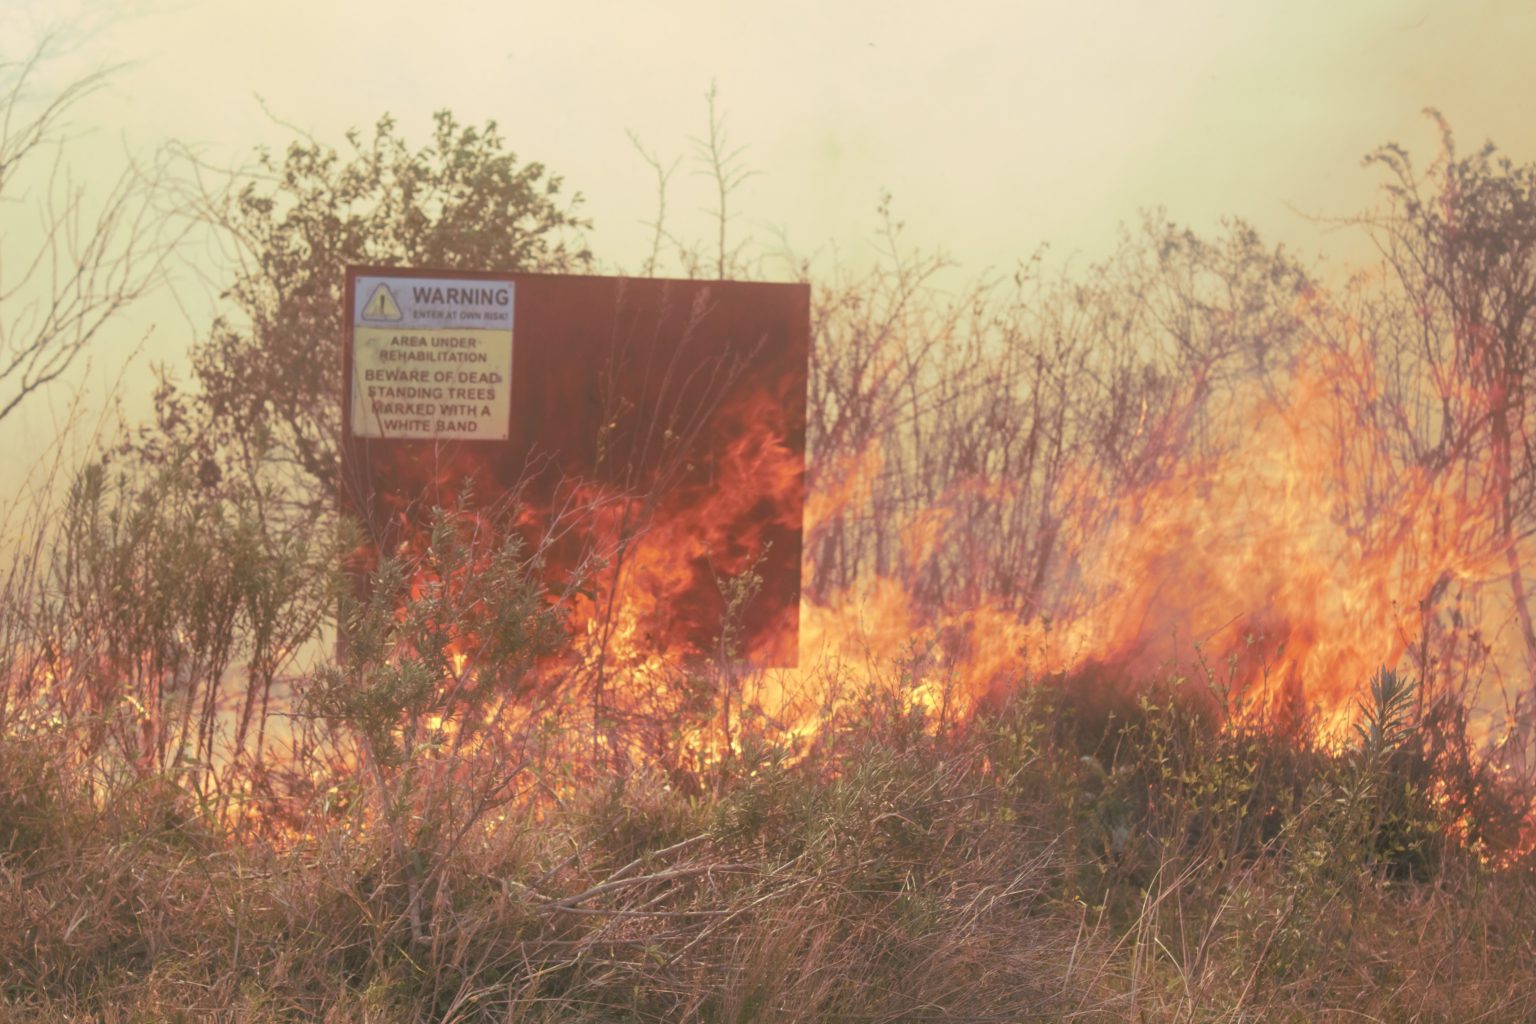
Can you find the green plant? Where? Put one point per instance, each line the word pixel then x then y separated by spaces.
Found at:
pixel 433 649
pixel 168 612
pixel 1384 815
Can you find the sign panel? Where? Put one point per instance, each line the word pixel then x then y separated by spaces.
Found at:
pixel 432 358
pixel 658 425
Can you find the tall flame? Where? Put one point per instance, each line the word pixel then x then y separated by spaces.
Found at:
pixel 1284 568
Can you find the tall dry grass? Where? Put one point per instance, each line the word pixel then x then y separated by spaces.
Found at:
pixel 1010 871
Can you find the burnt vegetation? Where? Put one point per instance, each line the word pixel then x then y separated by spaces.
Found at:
pixel 1023 810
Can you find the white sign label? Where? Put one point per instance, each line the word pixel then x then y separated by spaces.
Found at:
pixel 432 358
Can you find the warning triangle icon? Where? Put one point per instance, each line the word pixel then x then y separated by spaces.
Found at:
pixel 381 305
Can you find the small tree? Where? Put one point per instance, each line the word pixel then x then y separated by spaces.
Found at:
pixel 1461 241
pixel 433 651
pixel 270 369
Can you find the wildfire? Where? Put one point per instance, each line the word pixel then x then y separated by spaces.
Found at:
pixel 1282 570
pixel 1272 570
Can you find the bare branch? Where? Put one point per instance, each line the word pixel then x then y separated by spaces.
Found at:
pixel 85 259
pixel 722 164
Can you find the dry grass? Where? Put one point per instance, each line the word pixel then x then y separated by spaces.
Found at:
pixel 1004 874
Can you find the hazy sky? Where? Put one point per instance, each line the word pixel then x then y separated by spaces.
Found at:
pixel 995 126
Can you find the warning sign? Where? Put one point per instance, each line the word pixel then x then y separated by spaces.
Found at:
pixel 432 358
pixel 382 306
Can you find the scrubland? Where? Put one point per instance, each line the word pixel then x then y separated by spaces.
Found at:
pixel 1165 649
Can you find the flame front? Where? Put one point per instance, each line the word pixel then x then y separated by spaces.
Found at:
pixel 1273 566
pixel 1266 547
pixel 1283 569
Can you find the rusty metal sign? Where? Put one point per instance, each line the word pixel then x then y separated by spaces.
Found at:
pixel 670 413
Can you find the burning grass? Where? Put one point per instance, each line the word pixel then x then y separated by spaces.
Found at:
pixel 1050 861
